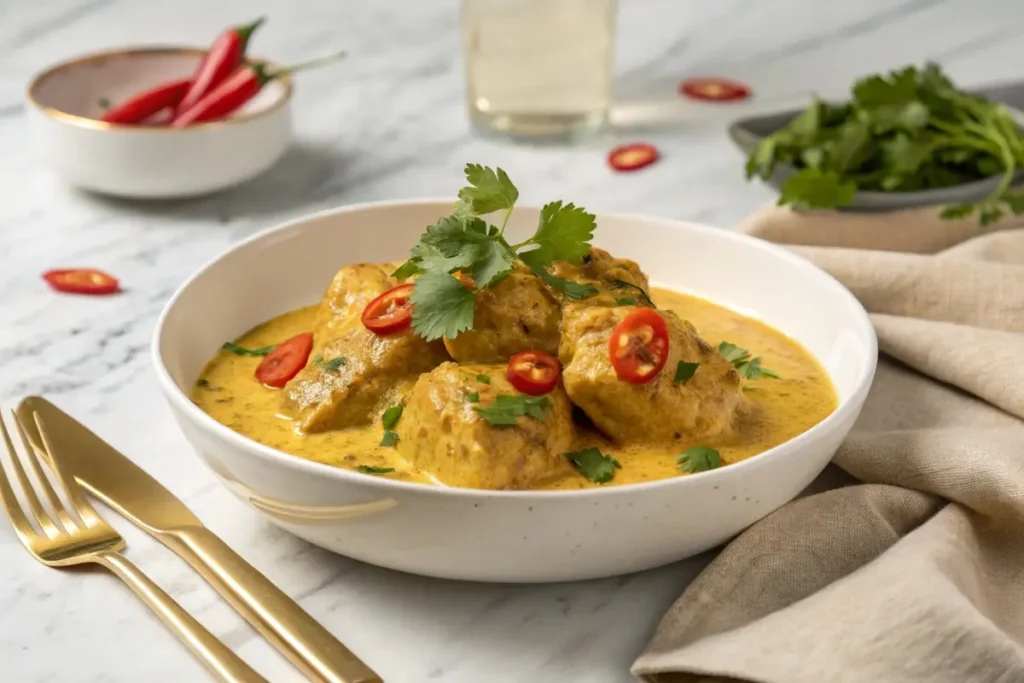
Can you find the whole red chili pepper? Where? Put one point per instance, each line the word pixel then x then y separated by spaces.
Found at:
pixel 140 107
pixel 239 88
pixel 224 56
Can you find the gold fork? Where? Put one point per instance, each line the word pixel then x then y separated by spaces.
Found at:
pixel 65 541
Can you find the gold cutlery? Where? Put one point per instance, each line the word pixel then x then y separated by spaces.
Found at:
pixel 141 499
pixel 83 537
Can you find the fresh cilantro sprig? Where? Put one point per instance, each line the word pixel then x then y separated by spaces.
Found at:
pixel 748 367
pixel 465 244
pixel 906 131
pixel 506 408
pixel 594 465
pixel 699 459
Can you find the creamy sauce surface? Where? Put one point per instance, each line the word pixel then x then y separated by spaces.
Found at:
pixel 780 408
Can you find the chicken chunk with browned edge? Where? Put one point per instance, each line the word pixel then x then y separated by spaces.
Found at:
pixel 660 410
pixel 354 374
pixel 441 433
pixel 517 314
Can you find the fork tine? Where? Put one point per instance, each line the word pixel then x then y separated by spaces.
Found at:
pixel 71 487
pixel 42 517
pixel 57 505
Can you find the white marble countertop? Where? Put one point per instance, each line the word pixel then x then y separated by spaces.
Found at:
pixel 387 124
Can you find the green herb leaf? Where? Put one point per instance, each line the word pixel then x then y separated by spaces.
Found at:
pixel 594 465
pixel 242 351
pixel 814 189
pixel 570 289
pixel 699 459
pixel 318 359
pixel 443 306
pixel 483 379
pixel 332 365
pixel 747 367
pixel 685 371
pixel 625 301
pixel 390 417
pixel 564 234
pixel 368 469
pixel 732 353
pixel 389 440
pixel 407 270
pixel 473 397
pixel 622 284
pixel 489 190
pixel 505 409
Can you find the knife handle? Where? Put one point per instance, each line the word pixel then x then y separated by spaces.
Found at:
pixel 278 618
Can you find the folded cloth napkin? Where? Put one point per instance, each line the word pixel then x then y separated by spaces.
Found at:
pixel 912 569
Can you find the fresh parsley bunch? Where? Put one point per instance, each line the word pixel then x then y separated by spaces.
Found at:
pixel 467 244
pixel 911 130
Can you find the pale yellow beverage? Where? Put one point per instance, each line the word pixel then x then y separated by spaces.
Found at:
pixel 539 69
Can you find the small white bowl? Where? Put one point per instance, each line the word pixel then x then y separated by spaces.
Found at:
pixel 511 536
pixel 149 162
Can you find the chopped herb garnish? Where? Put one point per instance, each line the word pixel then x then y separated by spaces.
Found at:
pixel 463 242
pixel 684 371
pixel 625 301
pixel 622 284
pixel 203 384
pixel 699 459
pixel 594 465
pixel 748 367
pixel 505 409
pixel 368 469
pixel 242 351
pixel 473 396
pixel 318 359
pixel 390 417
pixel 333 364
pixel 749 388
pixel 483 379
pixel 389 440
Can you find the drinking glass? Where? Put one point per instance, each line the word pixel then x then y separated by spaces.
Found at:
pixel 539 69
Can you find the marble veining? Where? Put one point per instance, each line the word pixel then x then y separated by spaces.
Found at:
pixel 388 123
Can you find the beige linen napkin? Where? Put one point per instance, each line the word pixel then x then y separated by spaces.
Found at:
pixel 914 570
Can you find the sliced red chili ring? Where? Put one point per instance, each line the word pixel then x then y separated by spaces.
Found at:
pixel 285 361
pixel 82 281
pixel 638 346
pixel 632 157
pixel 389 312
pixel 533 372
pixel 714 89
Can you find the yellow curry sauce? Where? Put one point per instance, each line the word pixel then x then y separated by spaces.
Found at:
pixel 780 408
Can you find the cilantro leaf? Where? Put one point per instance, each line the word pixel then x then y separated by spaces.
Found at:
pixel 685 371
pixel 699 459
pixel 389 439
pixel 732 353
pixel 242 351
pixel 564 234
pixel 622 284
pixel 625 301
pixel 571 290
pixel 594 465
pixel 331 365
pixel 488 190
pixel 740 359
pixel 505 409
pixel 407 270
pixel 390 417
pixel 483 379
pixel 752 370
pixel 443 306
pixel 814 189
pixel 473 397
pixel 367 469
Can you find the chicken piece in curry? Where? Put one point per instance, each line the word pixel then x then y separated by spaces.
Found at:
pixel 548 364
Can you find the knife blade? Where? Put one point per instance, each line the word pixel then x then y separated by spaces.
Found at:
pixel 141 499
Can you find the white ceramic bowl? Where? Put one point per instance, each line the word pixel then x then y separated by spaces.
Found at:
pixel 149 162
pixel 512 536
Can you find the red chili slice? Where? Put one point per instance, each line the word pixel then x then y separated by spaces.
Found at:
pixel 632 157
pixel 533 372
pixel 714 89
pixel 389 312
pixel 82 281
pixel 285 361
pixel 639 346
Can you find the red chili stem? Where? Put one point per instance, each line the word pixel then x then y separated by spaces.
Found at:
pixel 225 55
pixel 240 87
pixel 143 105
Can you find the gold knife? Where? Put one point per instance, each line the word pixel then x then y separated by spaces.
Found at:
pixel 141 499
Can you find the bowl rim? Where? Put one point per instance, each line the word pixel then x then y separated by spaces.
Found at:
pixel 31 92
pixel 182 403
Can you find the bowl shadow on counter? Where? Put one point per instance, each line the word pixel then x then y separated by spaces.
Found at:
pixel 290 185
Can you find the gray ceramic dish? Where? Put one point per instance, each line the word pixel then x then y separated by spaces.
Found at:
pixel 748 132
